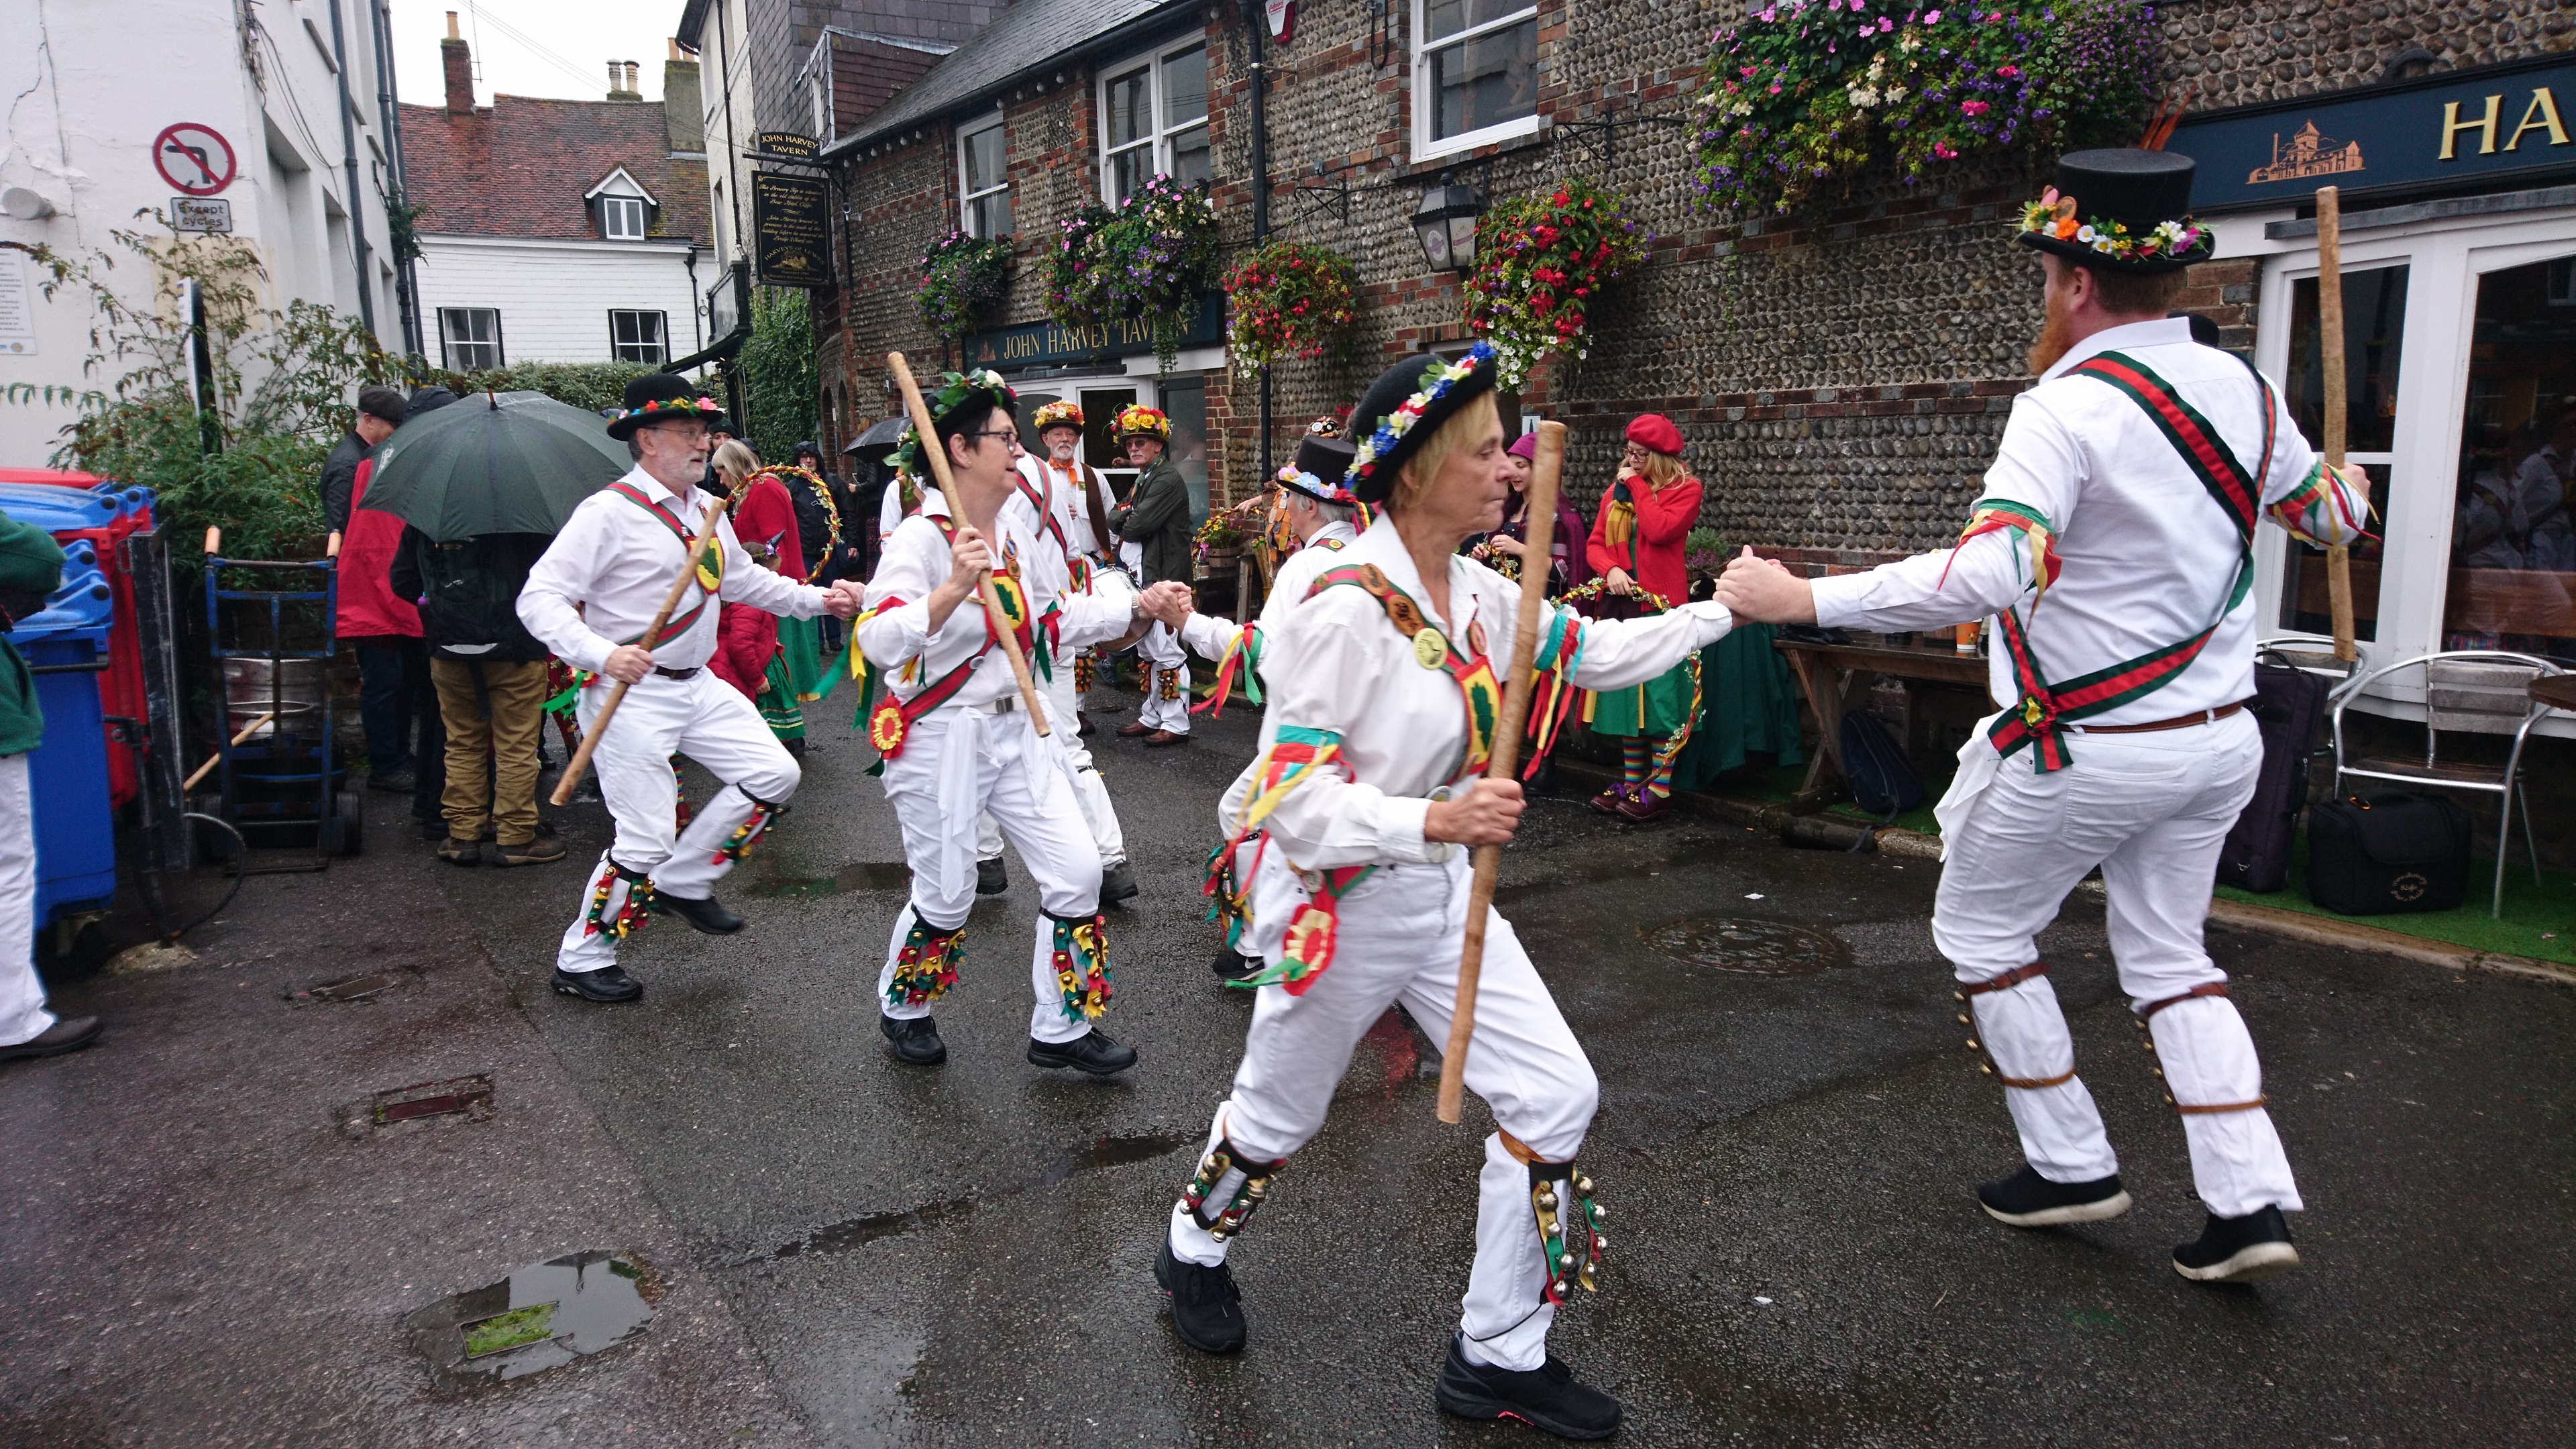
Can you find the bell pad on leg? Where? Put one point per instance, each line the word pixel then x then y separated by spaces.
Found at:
pixel 621 901
pixel 1231 1182
pixel 1965 995
pixel 927 965
pixel 1081 962
pixel 1561 1200
pixel 748 833
pixel 2188 1109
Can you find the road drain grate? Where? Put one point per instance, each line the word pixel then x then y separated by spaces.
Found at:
pixel 355 988
pixel 467 1097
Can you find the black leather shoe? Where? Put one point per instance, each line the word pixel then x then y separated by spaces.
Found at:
pixel 68 1034
pixel 1230 966
pixel 2028 1200
pixel 710 915
pixel 608 983
pixel 2238 1250
pixel 916 1041
pixel 1092 1052
pixel 1117 883
pixel 991 877
pixel 1546 1397
pixel 1207 1312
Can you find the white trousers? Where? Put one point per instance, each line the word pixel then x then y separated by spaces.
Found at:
pixel 22 996
pixel 1399 939
pixel 1167 680
pixel 707 720
pixel 2152 811
pixel 959 763
pixel 1089 790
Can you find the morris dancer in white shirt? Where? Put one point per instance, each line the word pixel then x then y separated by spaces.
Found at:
pixel 1058 496
pixel 2140 463
pixel 589 599
pixel 1318 507
pixel 1371 782
pixel 957 743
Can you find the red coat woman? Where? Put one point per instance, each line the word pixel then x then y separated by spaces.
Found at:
pixel 764 518
pixel 1637 544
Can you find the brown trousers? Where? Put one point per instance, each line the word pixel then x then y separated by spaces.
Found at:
pixel 491 761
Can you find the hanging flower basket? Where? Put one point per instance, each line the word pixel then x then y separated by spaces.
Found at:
pixel 1290 299
pixel 1541 263
pixel 1150 259
pixel 962 279
pixel 1805 91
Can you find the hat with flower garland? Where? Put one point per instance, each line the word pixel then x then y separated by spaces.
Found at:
pixel 659 397
pixel 1319 472
pixel 1062 413
pixel 1404 407
pixel 2122 209
pixel 1139 421
pixel 954 389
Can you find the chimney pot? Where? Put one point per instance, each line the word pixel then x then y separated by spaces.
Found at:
pixel 451 26
pixel 616 78
pixel 674 43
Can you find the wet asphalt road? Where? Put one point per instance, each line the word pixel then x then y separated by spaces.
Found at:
pixel 964 1254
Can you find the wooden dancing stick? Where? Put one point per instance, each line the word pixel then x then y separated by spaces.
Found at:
pixel 2330 359
pixel 1539 507
pixel 217 758
pixel 590 737
pixel 935 453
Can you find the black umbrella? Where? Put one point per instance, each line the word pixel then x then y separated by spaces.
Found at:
pixel 512 462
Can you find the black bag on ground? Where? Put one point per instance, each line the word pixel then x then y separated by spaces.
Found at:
pixel 1881 782
pixel 2289 706
pixel 2377 855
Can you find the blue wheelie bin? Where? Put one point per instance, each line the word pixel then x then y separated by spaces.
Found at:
pixel 66 649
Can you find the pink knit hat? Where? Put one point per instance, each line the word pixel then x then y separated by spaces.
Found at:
pixel 1525 446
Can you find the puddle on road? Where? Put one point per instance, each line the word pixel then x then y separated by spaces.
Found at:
pixel 1745 947
pixel 866 875
pixel 1101 1152
pixel 540 1317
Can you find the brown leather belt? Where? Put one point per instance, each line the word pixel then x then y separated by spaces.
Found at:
pixel 686 673
pixel 2178 722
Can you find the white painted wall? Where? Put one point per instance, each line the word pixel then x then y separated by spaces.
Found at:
pixel 554 296
pixel 94 81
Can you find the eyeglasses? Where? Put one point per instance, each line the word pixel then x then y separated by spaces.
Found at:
pixel 1003 433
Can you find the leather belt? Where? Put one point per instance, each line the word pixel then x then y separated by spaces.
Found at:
pixel 675 673
pixel 1004 705
pixel 2178 722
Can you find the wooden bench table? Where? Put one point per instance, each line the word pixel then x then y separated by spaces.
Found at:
pixel 1835 676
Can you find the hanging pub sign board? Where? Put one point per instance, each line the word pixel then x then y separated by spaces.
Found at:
pixel 196 159
pixel 791 230
pixel 2502 127
pixel 1282 15
pixel 785 143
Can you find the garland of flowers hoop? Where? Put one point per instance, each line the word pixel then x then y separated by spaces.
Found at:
pixel 831 510
pixel 1290 299
pixel 1651 603
pixel 1803 92
pixel 962 278
pixel 1541 263
pixel 1151 258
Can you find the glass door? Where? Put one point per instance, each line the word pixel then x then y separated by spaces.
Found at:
pixel 2374 329
pixel 2512 575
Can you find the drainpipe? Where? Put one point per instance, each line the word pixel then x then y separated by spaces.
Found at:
pixel 349 147
pixel 1254 30
pixel 389 119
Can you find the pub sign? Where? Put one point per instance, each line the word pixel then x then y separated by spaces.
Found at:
pixel 791 229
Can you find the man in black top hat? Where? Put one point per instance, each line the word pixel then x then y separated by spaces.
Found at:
pixel 2126 491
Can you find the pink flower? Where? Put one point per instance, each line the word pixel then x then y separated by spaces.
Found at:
pixel 1885 25
pixel 2009 72
pixel 1945 151
pixel 1932 17
pixel 1973 108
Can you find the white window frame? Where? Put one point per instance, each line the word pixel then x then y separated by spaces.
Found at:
pixel 612 206
pixel 447 345
pixel 1163 127
pixel 1426 101
pixel 662 326
pixel 967 196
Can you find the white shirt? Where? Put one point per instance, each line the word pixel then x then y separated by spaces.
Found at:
pixel 1212 635
pixel 900 641
pixel 1072 496
pixel 2149 556
pixel 598 583
pixel 1402 728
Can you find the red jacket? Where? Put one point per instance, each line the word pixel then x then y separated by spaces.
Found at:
pixel 368 608
pixel 1652 554
pixel 746 638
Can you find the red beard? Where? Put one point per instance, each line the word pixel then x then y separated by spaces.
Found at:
pixel 2054 339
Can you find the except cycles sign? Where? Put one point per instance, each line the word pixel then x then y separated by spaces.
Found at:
pixel 194 158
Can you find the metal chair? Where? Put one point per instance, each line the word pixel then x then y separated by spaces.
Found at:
pixel 2469 691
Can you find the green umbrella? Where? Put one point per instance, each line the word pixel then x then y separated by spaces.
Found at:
pixel 512 462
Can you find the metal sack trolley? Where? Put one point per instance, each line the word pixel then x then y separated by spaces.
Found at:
pixel 276 773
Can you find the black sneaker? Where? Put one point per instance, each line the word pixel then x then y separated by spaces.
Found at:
pixel 709 915
pixel 1230 966
pixel 67 1034
pixel 2028 1200
pixel 2238 1250
pixel 1117 883
pixel 991 878
pixel 916 1040
pixel 394 782
pixel 1207 1312
pixel 1092 1052
pixel 608 983
pixel 1546 1397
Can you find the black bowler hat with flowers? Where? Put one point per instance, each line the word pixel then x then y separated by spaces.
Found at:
pixel 659 397
pixel 1404 407
pixel 2124 209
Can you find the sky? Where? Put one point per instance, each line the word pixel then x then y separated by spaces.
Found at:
pixel 558 48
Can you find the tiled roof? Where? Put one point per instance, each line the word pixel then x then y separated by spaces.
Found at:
pixel 868 72
pixel 1029 36
pixel 520 166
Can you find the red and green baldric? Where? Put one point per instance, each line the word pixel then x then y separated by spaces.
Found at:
pixel 710 571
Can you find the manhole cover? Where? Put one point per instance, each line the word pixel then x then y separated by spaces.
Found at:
pixel 1746 947
pixel 540 1317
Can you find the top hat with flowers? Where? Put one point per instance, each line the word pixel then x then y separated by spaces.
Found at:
pixel 1139 421
pixel 1322 466
pixel 1404 407
pixel 658 397
pixel 2122 209
pixel 1062 413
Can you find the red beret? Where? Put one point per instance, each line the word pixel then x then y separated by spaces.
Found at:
pixel 1656 434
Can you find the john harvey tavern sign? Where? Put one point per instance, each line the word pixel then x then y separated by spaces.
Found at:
pixel 1049 344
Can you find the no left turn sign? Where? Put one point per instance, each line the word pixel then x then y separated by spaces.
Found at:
pixel 194 158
